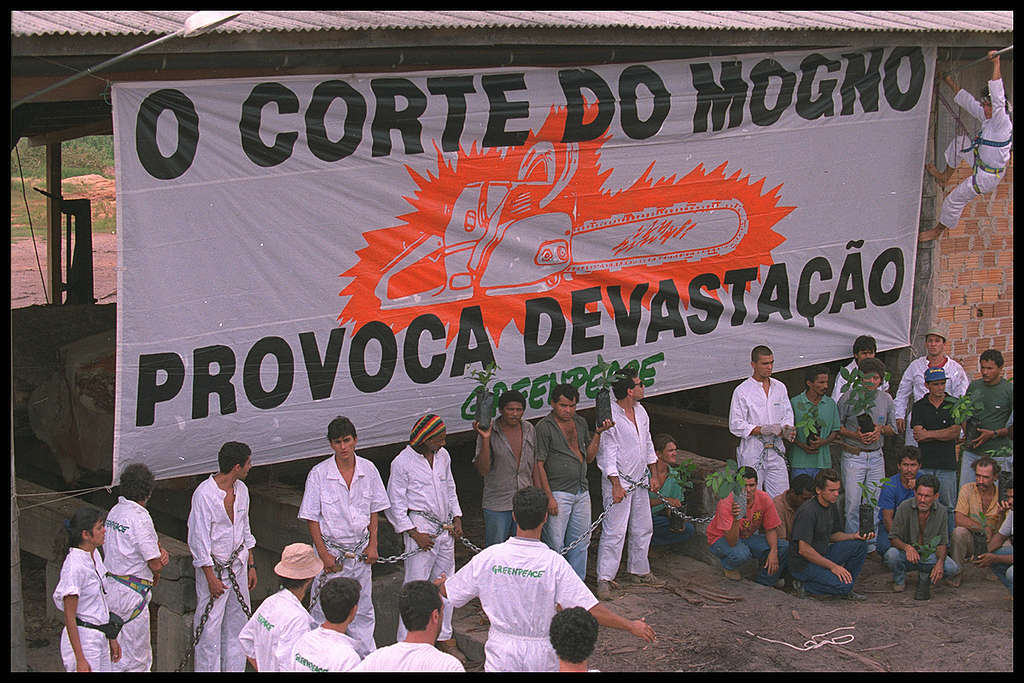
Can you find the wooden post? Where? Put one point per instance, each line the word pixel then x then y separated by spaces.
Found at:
pixel 53 221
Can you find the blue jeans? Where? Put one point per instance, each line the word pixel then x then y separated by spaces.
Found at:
pixel 1004 572
pixel 866 467
pixel 662 535
pixel 849 554
pixel 882 543
pixel 810 471
pixel 967 460
pixel 499 526
pixel 735 556
pixel 948 491
pixel 572 521
pixel 896 559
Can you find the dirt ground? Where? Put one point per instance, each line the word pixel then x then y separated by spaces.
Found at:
pixel 704 622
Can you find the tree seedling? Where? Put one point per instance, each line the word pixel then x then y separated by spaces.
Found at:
pixel 607 374
pixel 869 503
pixel 484 398
pixel 729 480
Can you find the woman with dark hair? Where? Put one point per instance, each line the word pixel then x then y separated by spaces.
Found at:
pixel 134 559
pixel 81 597
pixel 668 531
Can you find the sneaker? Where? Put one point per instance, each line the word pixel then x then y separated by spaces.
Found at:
pixel 604 590
pixel 854 596
pixel 648 579
pixel 898 587
pixel 732 574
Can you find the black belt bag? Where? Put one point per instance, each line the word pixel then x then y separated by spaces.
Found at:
pixel 111 629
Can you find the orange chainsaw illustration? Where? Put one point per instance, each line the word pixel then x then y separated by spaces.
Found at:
pixel 503 237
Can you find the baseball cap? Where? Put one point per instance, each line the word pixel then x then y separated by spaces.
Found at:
pixel 934 375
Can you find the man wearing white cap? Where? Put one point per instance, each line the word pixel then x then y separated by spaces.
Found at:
pixel 340 503
pixel 425 508
pixel 912 386
pixel 267 638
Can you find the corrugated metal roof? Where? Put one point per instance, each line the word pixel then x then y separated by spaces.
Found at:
pixel 29 23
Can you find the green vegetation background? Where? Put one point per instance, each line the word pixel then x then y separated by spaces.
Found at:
pixel 82 156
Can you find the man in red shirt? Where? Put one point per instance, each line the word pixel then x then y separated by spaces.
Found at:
pixel 736 540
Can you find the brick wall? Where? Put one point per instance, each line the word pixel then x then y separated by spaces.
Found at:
pixel 972 284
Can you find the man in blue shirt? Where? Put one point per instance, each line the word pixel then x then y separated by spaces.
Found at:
pixel 894 492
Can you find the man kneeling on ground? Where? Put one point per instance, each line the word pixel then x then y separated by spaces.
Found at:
pixel 736 540
pixel 919 522
pixel 827 559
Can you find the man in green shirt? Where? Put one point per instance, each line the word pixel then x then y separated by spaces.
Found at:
pixel 918 522
pixel 995 395
pixel 808 455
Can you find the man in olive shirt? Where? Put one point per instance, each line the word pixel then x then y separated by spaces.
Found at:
pixel 565 447
pixel 826 560
pixel 996 397
pixel 918 522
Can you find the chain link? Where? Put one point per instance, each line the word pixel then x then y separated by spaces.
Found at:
pixel 209 604
pixel 349 552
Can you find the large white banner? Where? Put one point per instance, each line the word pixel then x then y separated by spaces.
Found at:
pixel 299 248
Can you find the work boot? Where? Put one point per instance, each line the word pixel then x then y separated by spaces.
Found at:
pixel 732 574
pixel 955 580
pixel 898 587
pixel 604 590
pixel 854 596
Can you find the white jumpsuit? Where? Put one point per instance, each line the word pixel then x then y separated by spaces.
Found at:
pixel 271 633
pixel 991 160
pixel 211 535
pixel 323 650
pixel 404 656
pixel 343 513
pixel 130 543
pixel 81 575
pixel 415 485
pixel 625 450
pixel 518 583
pixel 750 407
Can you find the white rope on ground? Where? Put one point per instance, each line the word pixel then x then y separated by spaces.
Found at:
pixel 813 643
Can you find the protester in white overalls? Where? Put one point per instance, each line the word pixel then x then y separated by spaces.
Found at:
pixel 80 596
pixel 219 535
pixel 328 647
pixel 625 456
pixel 268 637
pixel 988 154
pixel 422 493
pixel 761 415
pixel 340 503
pixel 519 583
pixel 134 559
pixel 419 606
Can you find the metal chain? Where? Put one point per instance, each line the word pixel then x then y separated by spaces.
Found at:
pixel 349 552
pixel 209 605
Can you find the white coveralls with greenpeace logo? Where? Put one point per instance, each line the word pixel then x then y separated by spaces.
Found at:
pixel 518 583
pixel 324 650
pixel 625 451
pixel 343 513
pixel 129 544
pixel 212 535
pixel 271 633
pixel 415 485
pixel 750 407
pixel 80 575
